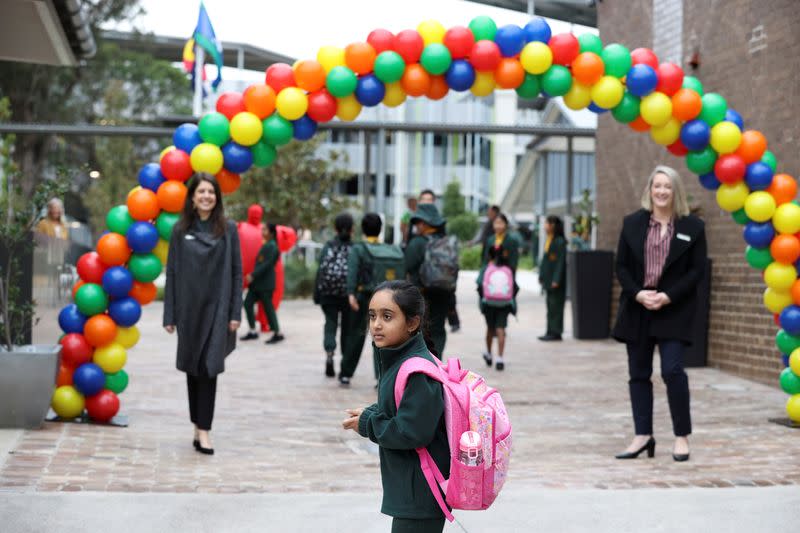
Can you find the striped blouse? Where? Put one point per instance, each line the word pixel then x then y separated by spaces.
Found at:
pixel 656 249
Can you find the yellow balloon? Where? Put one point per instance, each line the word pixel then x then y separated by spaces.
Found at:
pixel 431 31
pixel 787 218
pixel 395 95
pixel 161 251
pixel 536 57
pixel 607 92
pixel 348 108
pixel 667 133
pixel 732 197
pixel 794 361
pixel 67 402
pixel 725 137
pixel 134 190
pixel 246 128
pixel 206 157
pixel 164 151
pixel 330 56
pixel 760 206
pixel 656 109
pixel 578 97
pixel 111 357
pixel 484 84
pixel 793 407
pixel 292 103
pixel 127 337
pixel 776 301
pixel 780 277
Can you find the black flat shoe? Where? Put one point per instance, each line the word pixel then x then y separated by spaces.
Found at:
pixel 204 451
pixel 680 457
pixel 344 381
pixel 487 358
pixel 196 443
pixel 329 370
pixel 550 338
pixel 650 446
pixel 249 337
pixel 499 365
pixel 275 339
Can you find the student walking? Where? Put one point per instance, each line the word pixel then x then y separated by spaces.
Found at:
pixel 553 277
pixel 261 286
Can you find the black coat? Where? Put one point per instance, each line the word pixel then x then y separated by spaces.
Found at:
pixel 683 269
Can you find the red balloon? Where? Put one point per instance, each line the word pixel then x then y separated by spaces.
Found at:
pixel 670 78
pixel 730 168
pixel 565 47
pixel 102 406
pixel 280 76
pixel 321 106
pixel 677 148
pixel 409 44
pixel 229 104
pixel 644 56
pixel 286 237
pixel 176 165
pixel 381 40
pixel 459 41
pixel 75 350
pixel 91 268
pixel 485 55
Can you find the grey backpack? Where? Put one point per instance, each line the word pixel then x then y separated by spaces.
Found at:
pixel 440 267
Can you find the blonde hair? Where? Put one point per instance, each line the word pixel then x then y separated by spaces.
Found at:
pixel 680 205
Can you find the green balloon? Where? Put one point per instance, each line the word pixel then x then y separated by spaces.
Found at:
pixel 264 154
pixel 590 43
pixel 278 130
pixel 714 109
pixel 145 267
pixel 117 382
pixel 617 59
pixel 341 81
pixel 118 220
pixel 165 223
pixel 769 159
pixel 436 59
pixel 790 383
pixel 215 128
pixel 786 343
pixel 758 258
pixel 483 28
pixel 557 81
pixel 690 82
pixel 701 162
pixel 91 299
pixel 628 109
pixel 740 217
pixel 531 87
pixel 389 66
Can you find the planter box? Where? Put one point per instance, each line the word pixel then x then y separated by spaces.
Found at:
pixel 589 279
pixel 27 380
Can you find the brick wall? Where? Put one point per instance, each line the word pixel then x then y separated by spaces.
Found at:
pixel 749 54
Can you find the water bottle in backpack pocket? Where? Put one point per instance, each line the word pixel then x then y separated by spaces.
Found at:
pixel 333 270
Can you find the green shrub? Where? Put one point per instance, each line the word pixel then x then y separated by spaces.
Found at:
pixel 298 279
pixel 470 258
pixel 463 226
pixel 525 262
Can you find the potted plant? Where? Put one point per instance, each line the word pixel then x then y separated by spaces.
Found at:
pixel 27 371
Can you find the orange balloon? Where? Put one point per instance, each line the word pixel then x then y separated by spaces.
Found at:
pixel 143 204
pixel 438 88
pixel 686 104
pixel 64 375
pixel 415 81
pixel 310 75
pixel 639 124
pixel 76 287
pixel 752 147
pixel 113 248
pixel 509 73
pixel 359 57
pixel 785 248
pixel 228 181
pixel 171 196
pixel 259 99
pixel 587 68
pixel 783 188
pixel 144 293
pixel 100 330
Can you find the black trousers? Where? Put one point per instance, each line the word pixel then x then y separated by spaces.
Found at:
pixel 640 369
pixel 202 394
pixel 412 525
pixel 452 315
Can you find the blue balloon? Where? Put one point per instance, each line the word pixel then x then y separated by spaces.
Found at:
pixel 70 320
pixel 142 237
pixel 150 177
pixel 510 39
pixel 731 115
pixel 118 281
pixel 596 109
pixel 785 359
pixel 695 135
pixel 790 320
pixel 304 128
pixel 370 90
pixel 538 30
pixel 758 176
pixel 125 312
pixel 237 158
pixel 758 234
pixel 641 80
pixel 186 137
pixel 89 379
pixel 460 76
pixel 709 181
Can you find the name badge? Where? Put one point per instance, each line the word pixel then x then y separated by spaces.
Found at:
pixel 684 237
pixel 189 237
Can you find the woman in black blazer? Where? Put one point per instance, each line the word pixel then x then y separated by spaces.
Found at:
pixel 660 259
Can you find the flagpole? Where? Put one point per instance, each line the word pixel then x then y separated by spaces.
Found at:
pixel 199 61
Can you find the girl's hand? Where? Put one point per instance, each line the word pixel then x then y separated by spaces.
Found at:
pixel 353 302
pixel 170 329
pixel 554 285
pixel 233 325
pixel 352 421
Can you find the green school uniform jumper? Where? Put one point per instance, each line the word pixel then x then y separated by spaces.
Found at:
pixel 263 285
pixel 552 269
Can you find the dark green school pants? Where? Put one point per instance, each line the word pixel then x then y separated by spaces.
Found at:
pixel 265 297
pixel 555 310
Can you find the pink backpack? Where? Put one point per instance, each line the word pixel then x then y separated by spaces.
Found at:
pixel 498 284
pixel 469 405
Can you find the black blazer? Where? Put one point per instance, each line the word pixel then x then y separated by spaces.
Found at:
pixel 683 269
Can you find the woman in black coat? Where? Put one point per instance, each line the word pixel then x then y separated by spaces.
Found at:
pixel 203 297
pixel 660 259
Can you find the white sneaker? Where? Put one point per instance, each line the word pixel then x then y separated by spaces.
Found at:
pixel 487 357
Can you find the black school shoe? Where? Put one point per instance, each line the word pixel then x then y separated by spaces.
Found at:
pixel 550 338
pixel 329 370
pixel 344 381
pixel 249 337
pixel 275 339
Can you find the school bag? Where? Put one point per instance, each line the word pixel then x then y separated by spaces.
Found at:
pixel 333 269
pixel 385 263
pixel 440 268
pixel 469 405
pixel 498 285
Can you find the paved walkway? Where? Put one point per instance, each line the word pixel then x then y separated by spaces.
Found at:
pixel 277 431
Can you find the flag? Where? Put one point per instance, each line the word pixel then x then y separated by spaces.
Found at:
pixel 205 38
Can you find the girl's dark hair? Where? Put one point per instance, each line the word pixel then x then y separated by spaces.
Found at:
pixel 273 229
pixel 343 224
pixel 189 214
pixel 412 304
pixel 371 224
pixel 502 217
pixel 495 254
pixel 558 225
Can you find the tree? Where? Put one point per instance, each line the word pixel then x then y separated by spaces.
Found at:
pixel 452 200
pixel 460 223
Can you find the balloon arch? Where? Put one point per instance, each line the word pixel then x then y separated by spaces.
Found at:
pixel 246 129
